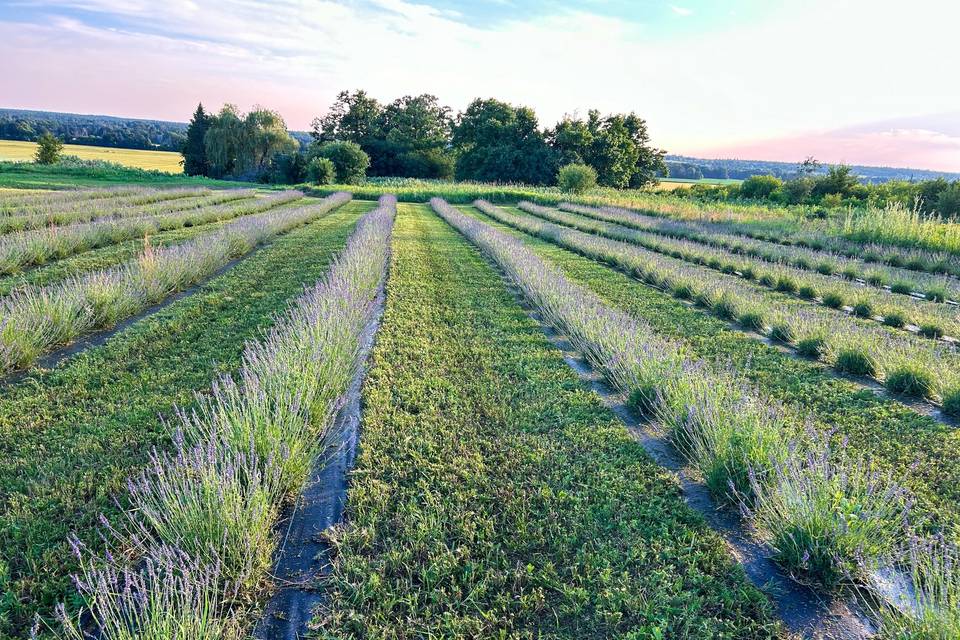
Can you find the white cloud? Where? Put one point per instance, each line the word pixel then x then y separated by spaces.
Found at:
pixel 681 11
pixel 816 65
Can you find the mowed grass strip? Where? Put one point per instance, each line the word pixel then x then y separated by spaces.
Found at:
pixel 495 497
pixel 70 437
pixel 923 453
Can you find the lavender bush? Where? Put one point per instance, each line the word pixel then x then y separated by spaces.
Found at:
pixel 200 533
pixel 38 246
pixel 34 320
pixel 733 298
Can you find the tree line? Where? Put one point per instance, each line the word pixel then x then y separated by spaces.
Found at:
pixel 417 137
pixel 99 131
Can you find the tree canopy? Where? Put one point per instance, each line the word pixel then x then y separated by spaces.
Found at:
pixel 492 140
pixel 244 146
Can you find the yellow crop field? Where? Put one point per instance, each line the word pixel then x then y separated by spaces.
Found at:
pixel 168 161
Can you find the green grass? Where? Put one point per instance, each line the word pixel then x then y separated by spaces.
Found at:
pixel 27 175
pixel 70 437
pixel 924 454
pixel 494 496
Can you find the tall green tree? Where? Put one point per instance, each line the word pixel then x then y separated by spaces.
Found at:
pixel 498 142
pixel 415 132
pixel 245 146
pixel 616 146
pixel 265 136
pixel 353 117
pixel 194 150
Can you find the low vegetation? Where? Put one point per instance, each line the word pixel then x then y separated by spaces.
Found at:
pixel 488 481
pixel 74 434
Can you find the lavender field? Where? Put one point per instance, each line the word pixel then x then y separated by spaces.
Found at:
pixel 234 413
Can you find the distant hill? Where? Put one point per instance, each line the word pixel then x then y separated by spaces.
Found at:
pixel 697 168
pixel 94 130
pixel 100 131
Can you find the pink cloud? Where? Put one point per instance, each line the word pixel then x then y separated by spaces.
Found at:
pixel 923 143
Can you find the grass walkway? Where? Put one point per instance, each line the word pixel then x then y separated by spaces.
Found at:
pixel 495 497
pixel 70 437
pixel 923 453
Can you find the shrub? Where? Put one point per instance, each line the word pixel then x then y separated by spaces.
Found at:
pixel 833 299
pixel 812 346
pixel 931 330
pixel 876 278
pixel 760 186
pixel 807 292
pixel 49 148
pixel 753 319
pixel 350 160
pixel 786 284
pixel 826 268
pixel 936 293
pixel 951 401
pixel 827 517
pixel 911 380
pixel 321 171
pixel 933 603
pixel 782 332
pixel 863 308
pixel 576 178
pixel 902 286
pixel 856 361
pixel 894 319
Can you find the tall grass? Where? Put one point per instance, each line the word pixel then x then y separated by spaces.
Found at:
pixel 215 500
pixel 901 226
pixel 35 320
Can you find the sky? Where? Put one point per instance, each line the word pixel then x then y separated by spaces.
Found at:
pixel 857 81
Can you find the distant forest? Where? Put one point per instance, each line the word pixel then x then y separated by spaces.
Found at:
pixel 689 168
pixel 99 131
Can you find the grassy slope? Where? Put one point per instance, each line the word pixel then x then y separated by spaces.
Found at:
pixel 924 453
pixel 70 437
pixel 495 497
pixel 26 175
pixel 168 161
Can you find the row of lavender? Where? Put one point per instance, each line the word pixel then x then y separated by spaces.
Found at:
pixel 28 248
pixel 901 273
pixel 69 207
pixel 931 318
pixel 823 284
pixel 193 554
pixel 905 363
pixel 35 320
pixel 826 516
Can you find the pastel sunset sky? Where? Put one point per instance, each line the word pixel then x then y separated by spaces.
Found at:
pixel 860 81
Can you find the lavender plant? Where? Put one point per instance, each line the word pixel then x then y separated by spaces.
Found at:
pixel 34 320
pixel 214 501
pixel 38 246
pixel 873 348
pixel 930 608
pixel 829 517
